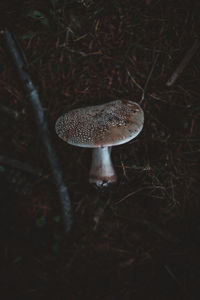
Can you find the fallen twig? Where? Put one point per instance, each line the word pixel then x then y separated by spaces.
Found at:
pixel 149 77
pixel 20 64
pixel 185 61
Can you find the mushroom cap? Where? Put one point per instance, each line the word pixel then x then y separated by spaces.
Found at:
pixel 110 124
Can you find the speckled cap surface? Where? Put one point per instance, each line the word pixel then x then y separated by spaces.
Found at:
pixel 110 124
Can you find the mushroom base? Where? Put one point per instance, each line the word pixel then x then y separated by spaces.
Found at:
pixel 102 172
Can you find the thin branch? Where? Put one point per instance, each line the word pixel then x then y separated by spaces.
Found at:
pixel 149 77
pixel 33 96
pixel 185 61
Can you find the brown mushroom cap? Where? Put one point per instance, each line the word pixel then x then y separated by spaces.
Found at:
pixel 110 124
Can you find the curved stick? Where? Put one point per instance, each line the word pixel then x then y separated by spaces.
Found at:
pixel 33 95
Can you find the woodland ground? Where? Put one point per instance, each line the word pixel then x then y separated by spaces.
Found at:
pixel 146 242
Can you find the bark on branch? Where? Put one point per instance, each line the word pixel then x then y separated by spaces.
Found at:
pixel 33 96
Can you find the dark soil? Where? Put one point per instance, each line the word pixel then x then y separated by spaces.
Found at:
pixel 139 239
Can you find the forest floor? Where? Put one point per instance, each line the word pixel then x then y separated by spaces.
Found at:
pixel 139 239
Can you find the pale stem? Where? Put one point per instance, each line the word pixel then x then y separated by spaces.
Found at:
pixel 102 172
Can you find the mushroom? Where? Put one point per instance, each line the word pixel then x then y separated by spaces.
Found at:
pixel 100 127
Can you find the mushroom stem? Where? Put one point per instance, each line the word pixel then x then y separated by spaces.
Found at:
pixel 102 172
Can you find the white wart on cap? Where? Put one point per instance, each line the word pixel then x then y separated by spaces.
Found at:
pixel 101 126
